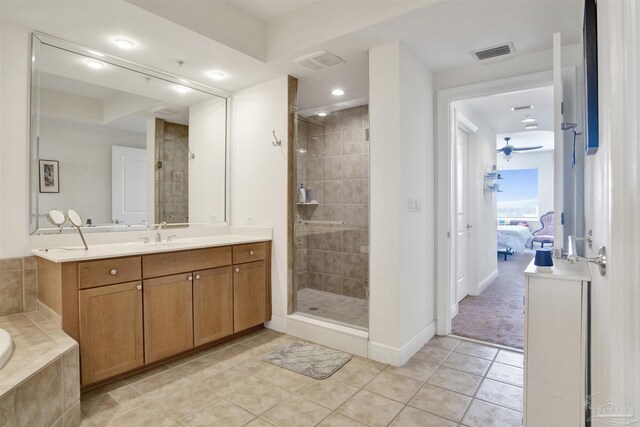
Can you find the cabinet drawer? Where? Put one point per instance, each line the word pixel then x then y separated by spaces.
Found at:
pixel 168 263
pixel 108 271
pixel 249 253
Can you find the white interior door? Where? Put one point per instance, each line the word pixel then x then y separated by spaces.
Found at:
pixel 128 185
pixel 462 214
pixel 558 152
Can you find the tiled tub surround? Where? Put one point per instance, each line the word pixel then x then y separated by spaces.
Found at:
pixel 40 385
pixel 333 160
pixel 172 179
pixel 18 285
pixel 447 383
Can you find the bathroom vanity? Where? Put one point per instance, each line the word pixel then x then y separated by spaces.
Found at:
pixel 152 302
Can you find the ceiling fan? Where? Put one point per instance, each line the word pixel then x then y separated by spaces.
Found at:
pixel 508 150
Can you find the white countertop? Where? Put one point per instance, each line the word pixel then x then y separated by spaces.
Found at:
pixel 139 248
pixel 562 270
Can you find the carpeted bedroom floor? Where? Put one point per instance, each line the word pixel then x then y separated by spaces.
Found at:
pixel 496 315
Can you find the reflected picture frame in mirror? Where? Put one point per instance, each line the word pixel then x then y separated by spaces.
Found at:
pixel 202 203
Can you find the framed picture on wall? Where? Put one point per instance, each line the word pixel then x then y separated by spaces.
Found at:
pixel 49 176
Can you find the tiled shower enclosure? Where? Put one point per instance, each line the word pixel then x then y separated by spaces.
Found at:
pixel 331 233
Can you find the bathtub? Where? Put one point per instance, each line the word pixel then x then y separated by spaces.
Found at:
pixel 6 347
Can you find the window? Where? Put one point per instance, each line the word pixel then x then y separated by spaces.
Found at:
pixel 518 196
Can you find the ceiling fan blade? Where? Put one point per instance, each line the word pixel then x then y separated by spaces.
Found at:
pixel 499 150
pixel 527 148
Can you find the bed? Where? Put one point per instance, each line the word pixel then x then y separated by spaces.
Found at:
pixel 516 237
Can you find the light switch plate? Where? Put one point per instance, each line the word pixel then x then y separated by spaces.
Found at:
pixel 414 204
pixel 249 220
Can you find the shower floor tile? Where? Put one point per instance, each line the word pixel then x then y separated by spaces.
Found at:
pixel 338 308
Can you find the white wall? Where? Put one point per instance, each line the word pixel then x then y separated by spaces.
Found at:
pixel 259 174
pixel 14 148
pixel 482 215
pixel 402 293
pixel 613 207
pixel 543 161
pixel 84 153
pixel 207 133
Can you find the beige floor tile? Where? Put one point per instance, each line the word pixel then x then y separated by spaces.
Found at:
pixel 236 353
pixel 258 367
pixel 103 390
pixel 229 381
pixel 162 384
pixel 378 365
pixel 483 414
pixel 510 358
pixel 260 397
pixel 469 364
pixel 501 394
pixel 506 374
pixel 430 354
pixel 446 343
pixel 330 393
pixel 259 422
pixel 296 411
pixel 394 386
pixel 148 415
pixel 356 372
pixel 289 380
pixel 441 402
pixel 339 420
pixel 187 401
pixel 477 350
pixel 453 380
pixel 415 369
pixel 100 409
pixel 147 374
pixel 412 417
pixel 128 397
pixel 202 367
pixel 370 408
pixel 221 413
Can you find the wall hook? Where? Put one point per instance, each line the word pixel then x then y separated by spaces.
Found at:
pixel 277 141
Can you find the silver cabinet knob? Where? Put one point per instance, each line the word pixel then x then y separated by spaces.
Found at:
pixel 190 278
pixel 250 252
pixel 197 277
pixel 114 272
pixel 139 287
pixel 237 270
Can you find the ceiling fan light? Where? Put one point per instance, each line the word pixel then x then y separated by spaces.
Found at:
pixel 531 126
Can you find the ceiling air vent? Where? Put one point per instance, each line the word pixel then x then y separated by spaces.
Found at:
pixel 494 51
pixel 523 107
pixel 319 60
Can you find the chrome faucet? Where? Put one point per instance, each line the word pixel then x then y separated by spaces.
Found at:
pixel 158 235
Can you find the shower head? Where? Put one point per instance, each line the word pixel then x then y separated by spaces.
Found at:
pixel 568 125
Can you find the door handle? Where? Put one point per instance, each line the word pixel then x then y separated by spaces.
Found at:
pixel 469 226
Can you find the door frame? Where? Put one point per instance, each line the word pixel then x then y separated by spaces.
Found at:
pixel 460 121
pixel 445 178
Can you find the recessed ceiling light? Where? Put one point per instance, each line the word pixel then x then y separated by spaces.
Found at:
pixel 337 92
pixel 322 114
pixel 528 120
pixel 96 65
pixel 124 44
pixel 181 89
pixel 217 75
pixel 531 127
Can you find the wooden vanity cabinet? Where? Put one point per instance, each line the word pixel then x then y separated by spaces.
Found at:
pixel 110 330
pixel 249 294
pixel 212 305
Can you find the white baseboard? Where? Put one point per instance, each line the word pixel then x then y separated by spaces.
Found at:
pixel 343 338
pixel 486 282
pixel 277 324
pixel 399 356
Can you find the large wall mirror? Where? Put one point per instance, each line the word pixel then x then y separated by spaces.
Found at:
pixel 124 146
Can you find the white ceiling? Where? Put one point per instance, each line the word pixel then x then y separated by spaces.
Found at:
pixel 495 110
pixel 527 139
pixel 441 33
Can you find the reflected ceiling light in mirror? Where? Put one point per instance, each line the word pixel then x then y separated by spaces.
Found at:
pixel 181 89
pixel 531 126
pixel 217 75
pixel 124 44
pixel 96 65
pixel 322 114
pixel 528 120
pixel 337 92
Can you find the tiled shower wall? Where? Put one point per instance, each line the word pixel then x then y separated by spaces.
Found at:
pixel 333 160
pixel 172 179
pixel 18 285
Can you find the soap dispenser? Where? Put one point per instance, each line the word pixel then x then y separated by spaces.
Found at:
pixel 302 195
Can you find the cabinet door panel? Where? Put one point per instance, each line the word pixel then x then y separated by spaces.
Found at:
pixel 110 331
pixel 212 304
pixel 249 295
pixel 168 319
